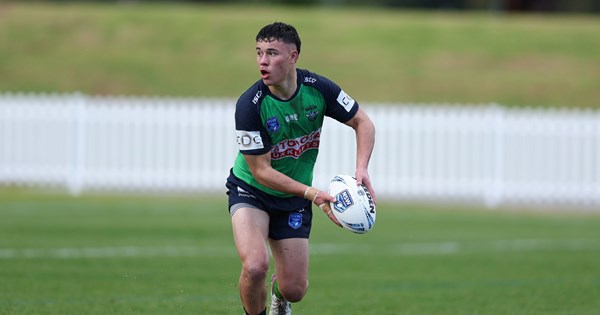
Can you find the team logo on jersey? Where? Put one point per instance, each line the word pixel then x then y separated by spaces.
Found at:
pixel 311 112
pixel 295 220
pixel 273 124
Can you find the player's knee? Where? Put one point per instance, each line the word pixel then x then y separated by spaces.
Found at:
pixel 294 292
pixel 255 270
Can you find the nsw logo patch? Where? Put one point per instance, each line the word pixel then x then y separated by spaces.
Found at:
pixel 273 124
pixel 295 220
pixel 343 201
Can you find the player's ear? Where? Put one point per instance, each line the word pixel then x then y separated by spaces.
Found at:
pixel 295 56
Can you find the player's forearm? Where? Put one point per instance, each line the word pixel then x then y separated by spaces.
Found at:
pixel 276 180
pixel 365 141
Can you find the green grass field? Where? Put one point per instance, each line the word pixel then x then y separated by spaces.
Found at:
pixel 376 55
pixel 175 255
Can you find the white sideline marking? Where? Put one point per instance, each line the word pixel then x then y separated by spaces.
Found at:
pixel 112 252
pixel 456 247
pixel 403 249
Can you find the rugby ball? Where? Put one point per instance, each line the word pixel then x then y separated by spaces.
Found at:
pixel 353 207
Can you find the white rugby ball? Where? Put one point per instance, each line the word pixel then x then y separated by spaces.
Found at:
pixel 353 207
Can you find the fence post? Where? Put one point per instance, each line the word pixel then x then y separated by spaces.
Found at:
pixel 77 145
pixel 495 183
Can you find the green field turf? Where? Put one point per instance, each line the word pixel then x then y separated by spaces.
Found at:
pixel 377 55
pixel 175 255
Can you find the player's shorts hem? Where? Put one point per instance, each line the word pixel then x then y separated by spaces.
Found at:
pixel 237 206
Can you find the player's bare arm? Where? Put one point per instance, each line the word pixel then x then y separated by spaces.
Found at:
pixel 260 166
pixel 365 140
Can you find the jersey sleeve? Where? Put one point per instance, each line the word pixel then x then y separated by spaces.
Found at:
pixel 251 134
pixel 340 106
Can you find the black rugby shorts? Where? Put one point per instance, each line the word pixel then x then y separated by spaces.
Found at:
pixel 289 217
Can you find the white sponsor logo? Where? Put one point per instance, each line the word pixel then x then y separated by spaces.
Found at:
pixel 256 97
pixel 345 100
pixel 249 140
pixel 310 80
pixel 291 117
pixel 244 193
pixel 295 147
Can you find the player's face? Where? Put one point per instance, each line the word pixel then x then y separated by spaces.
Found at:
pixel 276 60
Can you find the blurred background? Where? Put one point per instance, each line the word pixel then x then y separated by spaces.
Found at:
pixel 492 102
pixel 116 137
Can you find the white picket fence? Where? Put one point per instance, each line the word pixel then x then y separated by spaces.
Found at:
pixel 485 153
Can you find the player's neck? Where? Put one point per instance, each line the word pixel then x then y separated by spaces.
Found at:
pixel 287 88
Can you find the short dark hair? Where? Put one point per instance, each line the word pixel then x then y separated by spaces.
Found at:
pixel 279 31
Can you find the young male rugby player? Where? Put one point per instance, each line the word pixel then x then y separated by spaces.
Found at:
pixel 278 123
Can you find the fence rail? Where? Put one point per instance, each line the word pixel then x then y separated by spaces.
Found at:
pixel 484 153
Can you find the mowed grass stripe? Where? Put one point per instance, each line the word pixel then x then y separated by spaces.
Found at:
pixel 435 248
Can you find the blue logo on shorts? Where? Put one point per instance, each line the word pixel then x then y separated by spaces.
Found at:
pixel 273 124
pixel 295 220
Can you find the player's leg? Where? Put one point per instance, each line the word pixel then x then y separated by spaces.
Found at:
pixel 291 267
pixel 250 231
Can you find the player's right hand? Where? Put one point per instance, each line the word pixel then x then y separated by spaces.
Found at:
pixel 322 200
pixel 327 209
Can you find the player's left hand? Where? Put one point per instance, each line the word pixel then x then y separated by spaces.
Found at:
pixel 362 177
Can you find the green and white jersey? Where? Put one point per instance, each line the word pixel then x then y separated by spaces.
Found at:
pixel 290 129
